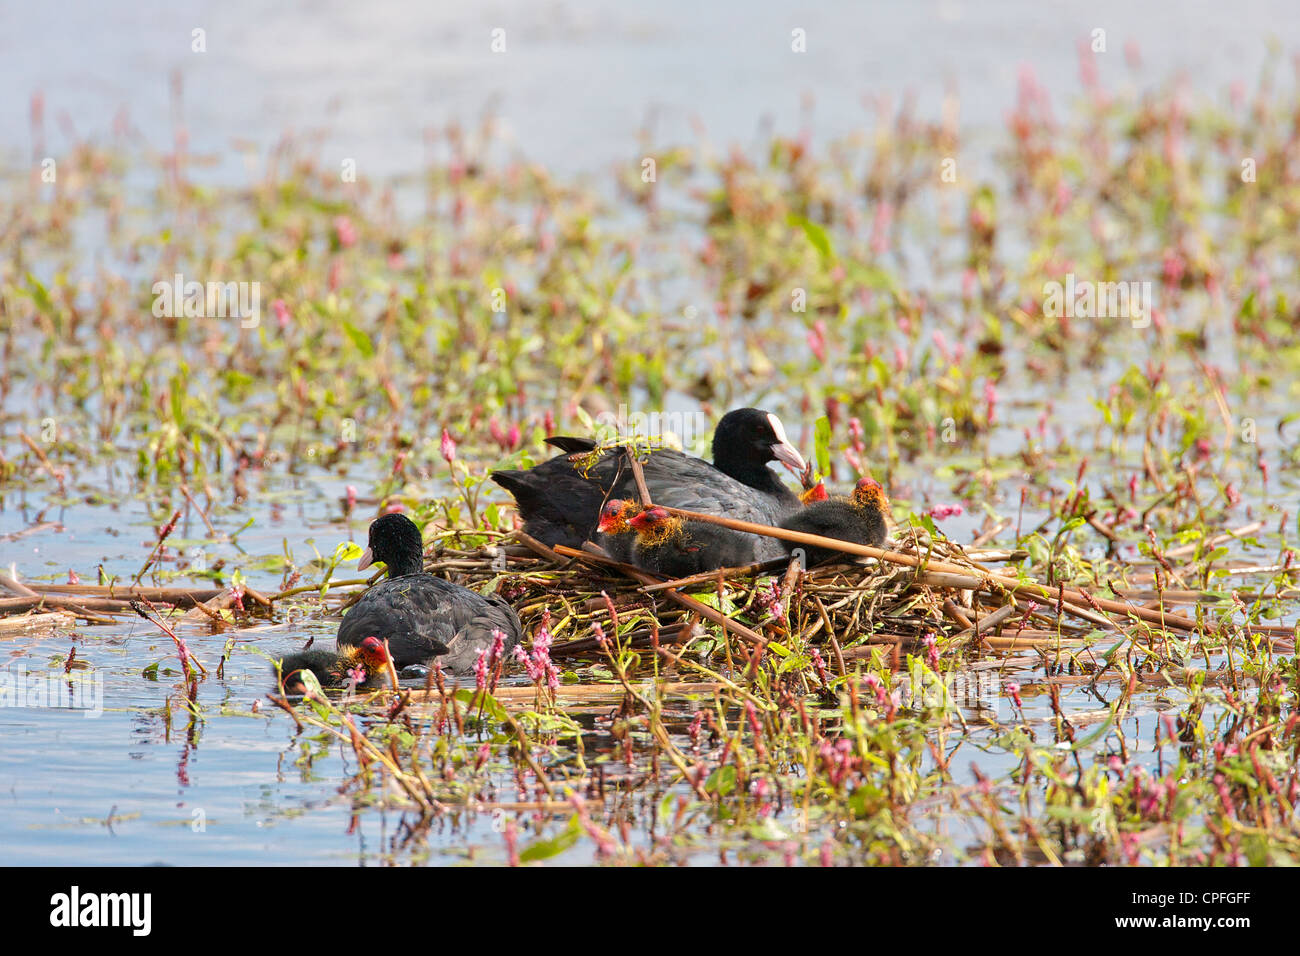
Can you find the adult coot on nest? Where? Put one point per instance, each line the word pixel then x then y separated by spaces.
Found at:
pixel 859 518
pixel 420 616
pixel 561 499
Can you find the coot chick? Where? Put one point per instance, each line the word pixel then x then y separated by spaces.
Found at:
pixel 614 532
pixel 423 617
pixel 362 665
pixel 560 499
pixel 676 548
pixel 859 518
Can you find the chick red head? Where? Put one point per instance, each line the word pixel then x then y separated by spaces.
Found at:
pixel 869 492
pixel 373 653
pixel 613 516
pixel 651 519
pixel 816 493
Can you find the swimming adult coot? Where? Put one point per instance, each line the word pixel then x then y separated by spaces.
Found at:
pixel 421 616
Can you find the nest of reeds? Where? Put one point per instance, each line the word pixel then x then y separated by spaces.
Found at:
pixel 896 597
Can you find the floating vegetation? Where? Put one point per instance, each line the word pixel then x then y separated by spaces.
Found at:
pixel 1073 371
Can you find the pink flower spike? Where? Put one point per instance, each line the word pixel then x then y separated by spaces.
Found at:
pixel 1014 690
pixel 817 340
pixel 991 398
pixel 931 644
pixel 880 228
pixel 345 231
pixel 281 312
pixel 939 512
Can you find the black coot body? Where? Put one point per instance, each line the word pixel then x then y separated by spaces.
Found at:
pixel 423 617
pixel 859 519
pixel 560 500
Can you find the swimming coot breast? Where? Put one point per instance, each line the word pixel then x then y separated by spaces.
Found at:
pixel 423 617
pixel 560 500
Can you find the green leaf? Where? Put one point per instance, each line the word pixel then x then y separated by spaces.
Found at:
pixel 40 295
pixel 360 339
pixel 722 781
pixel 817 236
pixel 874 277
pixel 822 444
pixel 926 522
pixel 545 849
pixel 768 830
pixel 485 701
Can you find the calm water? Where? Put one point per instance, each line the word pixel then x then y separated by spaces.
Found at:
pixel 578 81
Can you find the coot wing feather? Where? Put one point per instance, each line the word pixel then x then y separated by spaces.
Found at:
pixel 558 505
pixel 571 445
pixel 475 633
pixel 680 481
